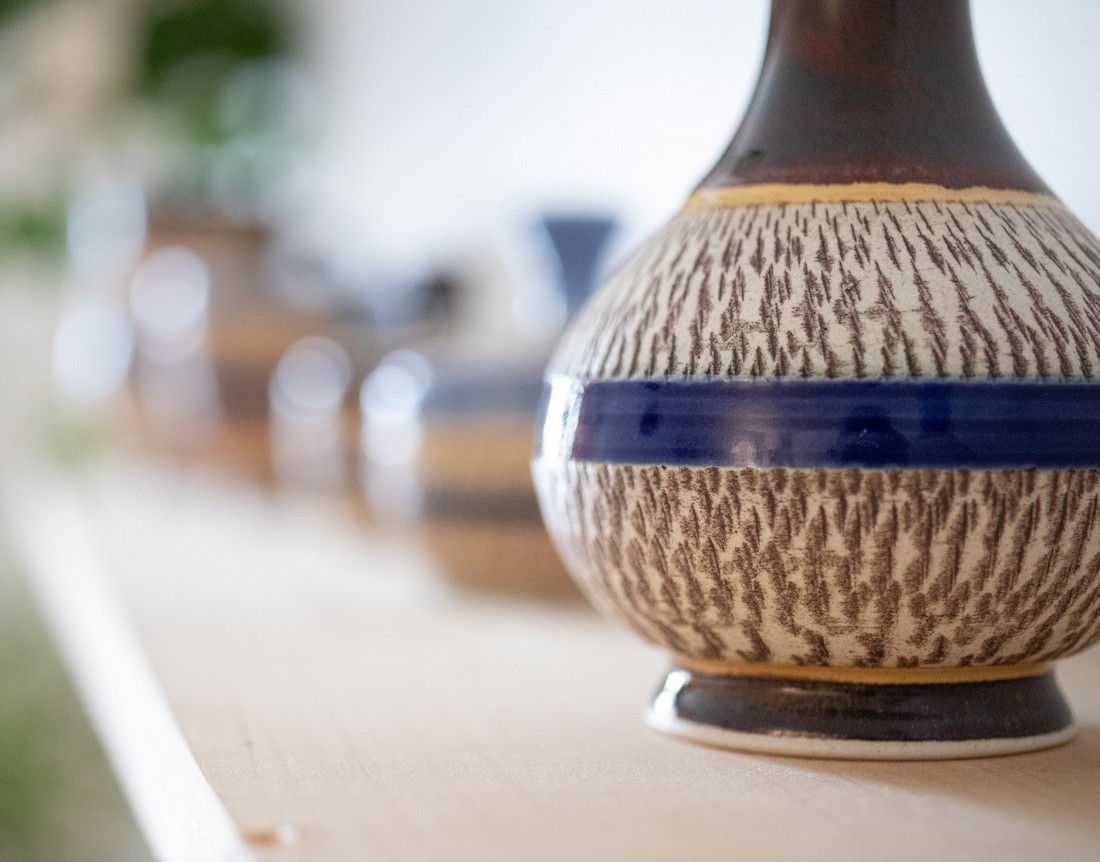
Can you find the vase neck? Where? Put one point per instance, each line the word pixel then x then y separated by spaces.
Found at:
pixel 872 91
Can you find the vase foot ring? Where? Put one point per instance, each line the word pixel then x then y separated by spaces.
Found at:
pixel 808 717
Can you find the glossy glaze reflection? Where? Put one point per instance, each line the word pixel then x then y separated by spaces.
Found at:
pixel 809 424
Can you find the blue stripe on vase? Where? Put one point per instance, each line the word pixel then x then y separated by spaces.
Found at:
pixel 822 423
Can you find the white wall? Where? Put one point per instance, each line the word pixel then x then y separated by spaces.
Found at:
pixel 443 117
pixel 1043 67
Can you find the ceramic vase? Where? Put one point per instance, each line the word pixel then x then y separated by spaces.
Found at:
pixel 832 436
pixel 210 330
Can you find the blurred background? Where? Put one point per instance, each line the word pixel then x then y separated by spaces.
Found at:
pixel 328 244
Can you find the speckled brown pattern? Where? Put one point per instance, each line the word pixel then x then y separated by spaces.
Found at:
pixel 851 567
pixel 850 291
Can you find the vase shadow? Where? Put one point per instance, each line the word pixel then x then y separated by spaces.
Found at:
pixel 1059 785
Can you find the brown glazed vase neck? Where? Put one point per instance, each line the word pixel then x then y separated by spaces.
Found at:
pixel 872 91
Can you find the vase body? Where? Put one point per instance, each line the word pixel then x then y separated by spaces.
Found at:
pixel 832 436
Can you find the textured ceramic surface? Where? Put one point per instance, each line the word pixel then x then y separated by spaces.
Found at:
pixel 845 426
pixel 1000 287
pixel 852 433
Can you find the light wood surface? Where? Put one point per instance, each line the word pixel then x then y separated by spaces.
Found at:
pixel 309 690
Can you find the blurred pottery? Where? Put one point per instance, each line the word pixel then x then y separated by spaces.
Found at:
pixel 832 436
pixel 209 332
pixel 448 438
pixel 314 419
pixel 312 426
pixel 448 453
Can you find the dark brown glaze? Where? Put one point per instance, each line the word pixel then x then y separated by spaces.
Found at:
pixel 937 712
pixel 872 91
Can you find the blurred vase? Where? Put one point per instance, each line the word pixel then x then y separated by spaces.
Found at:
pixel 447 440
pixel 831 437
pixel 311 428
pixel 209 331
pixel 448 454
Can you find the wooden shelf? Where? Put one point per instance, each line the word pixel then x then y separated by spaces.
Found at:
pixel 272 681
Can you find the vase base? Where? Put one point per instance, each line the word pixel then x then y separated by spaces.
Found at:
pixel 801 717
